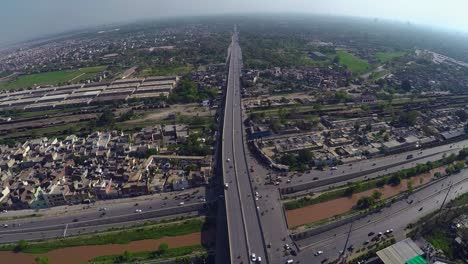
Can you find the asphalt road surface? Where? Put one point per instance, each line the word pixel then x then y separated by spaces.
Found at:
pixel 396 217
pixel 388 164
pixel 90 218
pixel 245 234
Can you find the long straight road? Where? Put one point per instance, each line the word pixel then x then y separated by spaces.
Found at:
pixel 245 234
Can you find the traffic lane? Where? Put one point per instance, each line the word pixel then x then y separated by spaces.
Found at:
pixel 275 229
pixel 94 213
pixel 59 232
pixel 105 220
pixel 236 226
pixel 383 172
pixel 367 165
pixel 82 212
pixel 253 228
pixel 397 217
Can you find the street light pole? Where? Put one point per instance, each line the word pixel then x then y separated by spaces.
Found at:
pixel 443 203
pixel 346 243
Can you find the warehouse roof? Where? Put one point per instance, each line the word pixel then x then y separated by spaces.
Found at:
pixel 400 253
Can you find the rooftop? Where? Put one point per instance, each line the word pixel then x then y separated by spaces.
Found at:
pixel 400 253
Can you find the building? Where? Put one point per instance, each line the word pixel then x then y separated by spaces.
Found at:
pixel 317 55
pixel 403 252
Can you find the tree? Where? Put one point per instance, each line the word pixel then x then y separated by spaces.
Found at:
pixel 406 85
pixel 376 195
pixel 41 260
pixel 336 59
pixel 394 180
pixel 408 118
pixel 461 114
pixel 350 190
pixel 304 156
pixel 107 119
pixel 163 247
pixel 21 245
pixel 365 202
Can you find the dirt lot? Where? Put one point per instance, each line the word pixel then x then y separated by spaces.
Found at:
pixel 325 210
pixel 79 255
pixel 157 115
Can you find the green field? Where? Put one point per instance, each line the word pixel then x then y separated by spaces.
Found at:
pixel 384 57
pixel 353 63
pixel 51 78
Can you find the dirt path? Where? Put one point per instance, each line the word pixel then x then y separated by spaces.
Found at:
pixel 81 254
pixel 321 211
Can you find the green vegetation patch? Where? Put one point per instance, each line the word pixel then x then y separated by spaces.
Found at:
pixel 384 57
pixel 51 78
pixel 353 63
pixel 392 179
pixel 165 71
pixel 114 237
pixel 158 254
pixel 442 241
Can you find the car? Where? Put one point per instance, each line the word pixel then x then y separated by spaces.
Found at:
pixel 256 194
pixel 226 185
pixel 228 160
pixel 409 156
pixel 350 248
pixel 318 253
pixel 379 234
pixel 420 209
pixel 333 168
pixel 259 259
pixel 136 204
pixel 293 252
pixel 75 220
pixel 371 234
pixel 315 178
pixel 366 242
pixel 5 225
pixel 253 257
pixel 181 203
pixel 389 231
pixel 288 181
pixel 289 261
pixel 138 211
pixel 287 247
pixel 102 209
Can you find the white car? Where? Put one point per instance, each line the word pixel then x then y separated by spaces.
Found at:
pixel 138 211
pixel 181 203
pixel 318 253
pixel 259 259
pixel 253 257
pixel 226 185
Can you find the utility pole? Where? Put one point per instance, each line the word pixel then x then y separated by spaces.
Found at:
pixel 443 203
pixel 346 243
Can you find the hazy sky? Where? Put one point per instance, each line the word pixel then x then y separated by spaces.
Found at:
pixel 26 19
